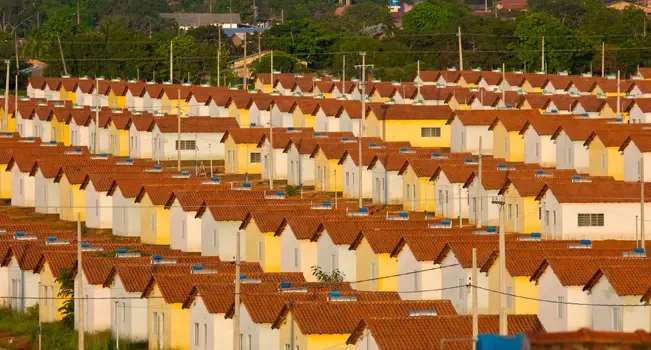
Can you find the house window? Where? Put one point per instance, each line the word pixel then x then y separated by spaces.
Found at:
pixel 260 249
pixel 587 220
pixel 45 295
pixel 154 322
pixel 287 347
pixel 430 132
pixel 70 199
pixel 639 169
pixel 416 280
pixel 333 262
pixel 97 207
pixel 295 257
pixel 509 297
pixel 205 334
pixel 255 157
pixel 248 342
pixel 214 238
pixel 45 193
pixel 560 308
pixel 124 215
pixel 124 311
pixel 603 161
pixel 509 211
pixel 347 179
pixel 540 213
pixel 186 145
pixel 554 216
pixel 373 273
pixel 617 318
pixel 537 150
pixel 20 186
pixel 407 191
pixel 152 222
pixel 117 311
pixel 506 144
pixel 196 333
pixel 182 228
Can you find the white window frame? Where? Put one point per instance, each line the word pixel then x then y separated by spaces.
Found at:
pixel 255 157
pixel 560 308
pixel 196 334
pixel 430 132
pixel 590 219
pixel 296 257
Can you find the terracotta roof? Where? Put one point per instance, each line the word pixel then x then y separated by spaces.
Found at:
pixel 169 124
pixel 53 83
pixel 577 271
pixel 515 122
pixel 579 129
pixel 426 332
pixel 70 84
pixel 484 117
pixel 343 317
pixel 585 336
pixel 384 241
pixel 57 261
pixel 544 126
pixel 590 103
pixel 562 82
pixel 247 135
pixel 538 101
pixel 625 280
pixel 616 135
pixel 594 192
pixel 429 76
pixel 536 80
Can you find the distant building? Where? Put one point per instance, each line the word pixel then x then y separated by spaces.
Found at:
pixel 512 5
pixel 194 20
pixel 621 5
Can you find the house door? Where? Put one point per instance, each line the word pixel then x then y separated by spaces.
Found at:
pixel 517 218
pixel 413 198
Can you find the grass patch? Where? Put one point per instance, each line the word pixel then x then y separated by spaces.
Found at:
pixel 55 335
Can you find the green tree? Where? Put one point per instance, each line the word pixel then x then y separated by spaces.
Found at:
pixel 435 16
pixel 67 292
pixel 366 14
pixel 322 276
pixel 282 62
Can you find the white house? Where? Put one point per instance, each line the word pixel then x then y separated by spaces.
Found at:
pixel 99 206
pixel 135 100
pixel 199 102
pixel 79 127
pixel 640 111
pixel 100 142
pixel 332 245
pixel 298 253
pixel 350 169
pixel 129 311
pixel 25 119
pixel 423 285
pixel 219 226
pixel 36 87
pixel 300 166
pixel 584 209
pixel 42 124
pixel 386 183
pixel 459 272
pixel 617 286
pixel 151 99
pixel 23 186
pixel 282 112
pixel 570 152
pixel 47 198
pixel 467 127
pixel 185 228
pixel 634 148
pixel 126 213
pixel 96 298
pixel 200 137
pixel 492 181
pixel 209 328
pixel 327 115
pixel 140 136
pixel 538 145
pixel 452 200
pixel 23 283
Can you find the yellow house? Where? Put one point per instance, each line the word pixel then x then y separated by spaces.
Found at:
pixel 520 265
pixel 418 191
pixel 118 130
pixel 69 89
pixel 507 141
pixel 373 258
pixel 522 208
pixel 328 173
pixel 154 218
pixel 304 115
pixel 608 87
pixel 10 124
pixel 168 322
pixel 423 126
pixel 239 107
pixel 117 95
pixel 169 99
pixel 263 82
pixel 535 82
pixel 261 244
pixel 243 156
pixel 60 125
pixel 603 148
pixel 72 199
pixel 324 88
pixel 49 268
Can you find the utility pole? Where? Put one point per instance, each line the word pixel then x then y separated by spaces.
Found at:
pixel 271 155
pixel 219 56
pixel 478 200
pixel 618 92
pixel 542 62
pixel 503 84
pixel 460 208
pixel 475 300
pixel 171 61
pixel 260 45
pixel 343 77
pixel 245 80
pixel 17 72
pixel 460 51
pixel 178 131
pixel 238 281
pixel 291 326
pixel 5 124
pixel 485 5
pixel 271 83
pixel 96 116
pixel 361 123
pixel 78 16
pixel 80 286
pixel 210 152
pixel 603 59
pixel 419 80
pixel 40 328
pixel 335 179
pixel 642 236
pixel 502 268
pixel 63 60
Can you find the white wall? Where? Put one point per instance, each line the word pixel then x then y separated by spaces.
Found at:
pixel 452 198
pixel 169 152
pixel 97 306
pixel 411 285
pixel 304 168
pixel 47 198
pixel 630 318
pixel 219 330
pixel 351 188
pixel 140 143
pixel 261 335
pixel 226 232
pixel 185 229
pixel 99 208
pixel 126 216
pixel 489 211
pixel 292 250
pixel 22 188
pixel 632 156
pixel 129 319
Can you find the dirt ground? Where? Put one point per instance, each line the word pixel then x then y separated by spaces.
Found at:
pixel 12 342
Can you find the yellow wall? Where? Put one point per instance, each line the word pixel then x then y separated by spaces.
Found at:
pixel 240 114
pixel 409 130
pixel 161 234
pixel 523 287
pixel 326 341
pixel 61 131
pixel 330 166
pixel 614 160
pixel 112 99
pixel 515 152
pixel 12 123
pixel 271 255
pixel 176 320
pixel 301 120
pixel 68 211
pixel 242 157
pixel 527 217
pixel 5 182
pixel 425 190
pixel 49 308
pixel 385 265
pixel 253 238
